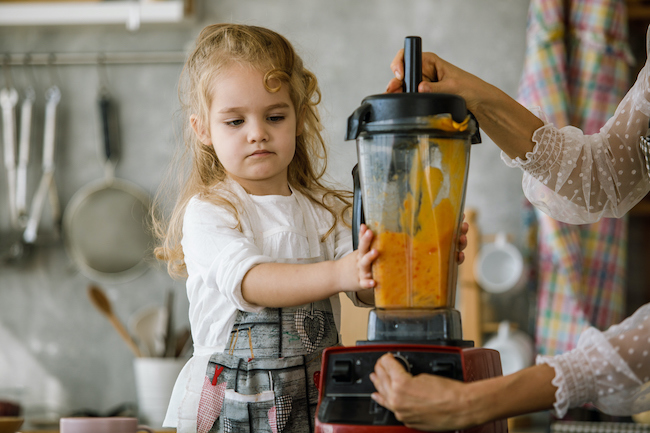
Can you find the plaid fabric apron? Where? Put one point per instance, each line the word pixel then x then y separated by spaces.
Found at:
pixel 576 70
pixel 265 380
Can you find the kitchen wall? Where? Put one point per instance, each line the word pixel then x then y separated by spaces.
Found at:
pixel 51 338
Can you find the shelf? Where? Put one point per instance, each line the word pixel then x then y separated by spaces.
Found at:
pixel 130 13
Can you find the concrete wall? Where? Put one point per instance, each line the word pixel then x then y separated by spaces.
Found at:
pixel 76 359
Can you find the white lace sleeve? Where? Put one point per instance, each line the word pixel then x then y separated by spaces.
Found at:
pixel 579 178
pixel 610 369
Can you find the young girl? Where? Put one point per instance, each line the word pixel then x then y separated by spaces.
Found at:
pixel 259 236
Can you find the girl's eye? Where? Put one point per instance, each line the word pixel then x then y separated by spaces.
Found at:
pixel 276 118
pixel 235 122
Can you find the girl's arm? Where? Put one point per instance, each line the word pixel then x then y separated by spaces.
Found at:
pixel 287 284
pixel 434 403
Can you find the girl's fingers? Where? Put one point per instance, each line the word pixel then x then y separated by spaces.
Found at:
pixel 365 239
pixel 462 243
pixel 366 260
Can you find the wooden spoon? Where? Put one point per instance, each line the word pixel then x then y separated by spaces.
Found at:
pixel 99 299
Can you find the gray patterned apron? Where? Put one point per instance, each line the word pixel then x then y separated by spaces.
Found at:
pixel 264 381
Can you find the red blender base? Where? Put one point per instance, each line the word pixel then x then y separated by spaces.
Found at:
pixel 345 406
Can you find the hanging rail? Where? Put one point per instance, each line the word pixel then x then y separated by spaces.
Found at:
pixel 73 59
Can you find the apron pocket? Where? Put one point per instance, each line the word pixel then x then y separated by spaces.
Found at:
pixel 271 395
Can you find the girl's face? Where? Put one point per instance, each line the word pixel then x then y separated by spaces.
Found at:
pixel 252 130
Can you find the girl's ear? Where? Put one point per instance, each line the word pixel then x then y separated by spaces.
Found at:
pixel 199 130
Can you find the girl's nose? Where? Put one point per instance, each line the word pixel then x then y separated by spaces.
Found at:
pixel 257 132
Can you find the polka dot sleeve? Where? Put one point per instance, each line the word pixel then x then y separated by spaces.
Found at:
pixel 579 178
pixel 610 369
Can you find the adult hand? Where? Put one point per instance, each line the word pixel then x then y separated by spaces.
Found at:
pixel 439 76
pixel 504 120
pixel 424 402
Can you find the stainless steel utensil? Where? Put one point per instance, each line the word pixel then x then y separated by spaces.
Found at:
pixel 46 186
pixel 24 138
pixel 8 101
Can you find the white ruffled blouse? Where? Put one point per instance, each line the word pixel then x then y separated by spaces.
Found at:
pixel 610 369
pixel 579 179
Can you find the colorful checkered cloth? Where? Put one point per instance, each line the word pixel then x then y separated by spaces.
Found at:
pixel 576 70
pixel 581 279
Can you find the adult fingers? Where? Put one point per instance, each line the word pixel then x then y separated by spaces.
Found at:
pixel 397 65
pixel 394 86
pixel 430 67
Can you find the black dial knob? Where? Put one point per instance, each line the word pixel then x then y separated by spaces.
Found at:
pixel 403 360
pixel 342 371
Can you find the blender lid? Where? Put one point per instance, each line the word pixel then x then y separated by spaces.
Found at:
pixel 392 112
pixel 411 111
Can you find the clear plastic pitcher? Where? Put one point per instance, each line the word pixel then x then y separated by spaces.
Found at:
pixel 413 152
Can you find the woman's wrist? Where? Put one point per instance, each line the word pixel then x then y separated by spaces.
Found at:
pixel 480 406
pixel 526 391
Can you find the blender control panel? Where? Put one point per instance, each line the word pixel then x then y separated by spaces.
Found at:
pixel 347 386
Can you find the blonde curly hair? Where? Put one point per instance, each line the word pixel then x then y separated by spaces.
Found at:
pixel 199 171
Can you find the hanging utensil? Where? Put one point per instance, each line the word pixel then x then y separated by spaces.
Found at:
pixel 45 187
pixel 8 101
pixel 99 299
pixel 24 138
pixel 106 222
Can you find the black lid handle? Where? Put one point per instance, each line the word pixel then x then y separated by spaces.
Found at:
pixel 412 64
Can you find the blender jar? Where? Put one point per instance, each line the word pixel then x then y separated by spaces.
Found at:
pixel 413 152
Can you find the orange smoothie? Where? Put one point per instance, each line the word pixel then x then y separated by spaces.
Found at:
pixel 417 265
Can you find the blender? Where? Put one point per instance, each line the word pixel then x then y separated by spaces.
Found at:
pixel 409 189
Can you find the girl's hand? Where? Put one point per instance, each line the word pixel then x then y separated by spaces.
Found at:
pixel 423 402
pixel 365 258
pixel 355 269
pixel 462 241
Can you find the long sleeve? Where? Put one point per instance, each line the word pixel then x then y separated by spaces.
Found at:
pixel 610 369
pixel 577 178
pixel 217 254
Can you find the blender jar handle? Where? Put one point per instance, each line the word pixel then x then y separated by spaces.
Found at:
pixel 361 115
pixel 358 216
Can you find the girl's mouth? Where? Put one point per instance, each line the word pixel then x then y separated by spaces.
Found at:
pixel 261 153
